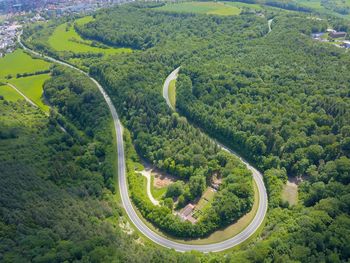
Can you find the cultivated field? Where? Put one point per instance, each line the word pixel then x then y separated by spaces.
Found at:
pixel 65 38
pixel 209 8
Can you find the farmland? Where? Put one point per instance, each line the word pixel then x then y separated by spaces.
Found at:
pixel 209 8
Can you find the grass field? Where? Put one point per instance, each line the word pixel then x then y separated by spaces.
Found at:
pixel 209 8
pixel 9 93
pixel 32 87
pixel 172 93
pixel 157 193
pixel 241 5
pixel 65 38
pixel 204 203
pixel 290 193
pixel 20 62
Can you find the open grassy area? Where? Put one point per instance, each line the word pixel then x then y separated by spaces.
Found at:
pixel 172 93
pixel 20 62
pixel 204 203
pixel 32 87
pixel 290 193
pixel 241 5
pixel 65 38
pixel 209 8
pixel 9 93
pixel 157 193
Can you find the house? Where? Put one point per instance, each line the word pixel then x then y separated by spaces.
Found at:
pixel 337 34
pixel 186 213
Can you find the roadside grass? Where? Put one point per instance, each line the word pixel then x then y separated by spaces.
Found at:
pixel 213 8
pixel 9 93
pixel 65 38
pixel 290 193
pixel 20 62
pixel 32 87
pixel 172 93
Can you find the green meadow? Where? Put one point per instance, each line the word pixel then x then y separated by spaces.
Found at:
pixel 20 62
pixel 32 87
pixel 9 93
pixel 209 8
pixel 172 93
pixel 65 38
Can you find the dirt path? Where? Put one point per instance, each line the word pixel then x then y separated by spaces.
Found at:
pixel 148 173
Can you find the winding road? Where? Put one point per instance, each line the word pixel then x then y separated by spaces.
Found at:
pixel 123 187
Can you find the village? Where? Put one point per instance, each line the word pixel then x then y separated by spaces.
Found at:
pixel 8 32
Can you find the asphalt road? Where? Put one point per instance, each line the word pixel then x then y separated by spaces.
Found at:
pixel 123 187
pixel 257 176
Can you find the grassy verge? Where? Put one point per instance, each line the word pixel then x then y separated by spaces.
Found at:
pixel 172 93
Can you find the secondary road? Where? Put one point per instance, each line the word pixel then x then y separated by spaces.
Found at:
pixel 257 176
pixel 123 187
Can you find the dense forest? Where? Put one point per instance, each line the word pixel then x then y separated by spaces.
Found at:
pixel 56 193
pixel 279 98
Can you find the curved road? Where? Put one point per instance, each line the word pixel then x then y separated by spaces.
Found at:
pixel 123 187
pixel 257 176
